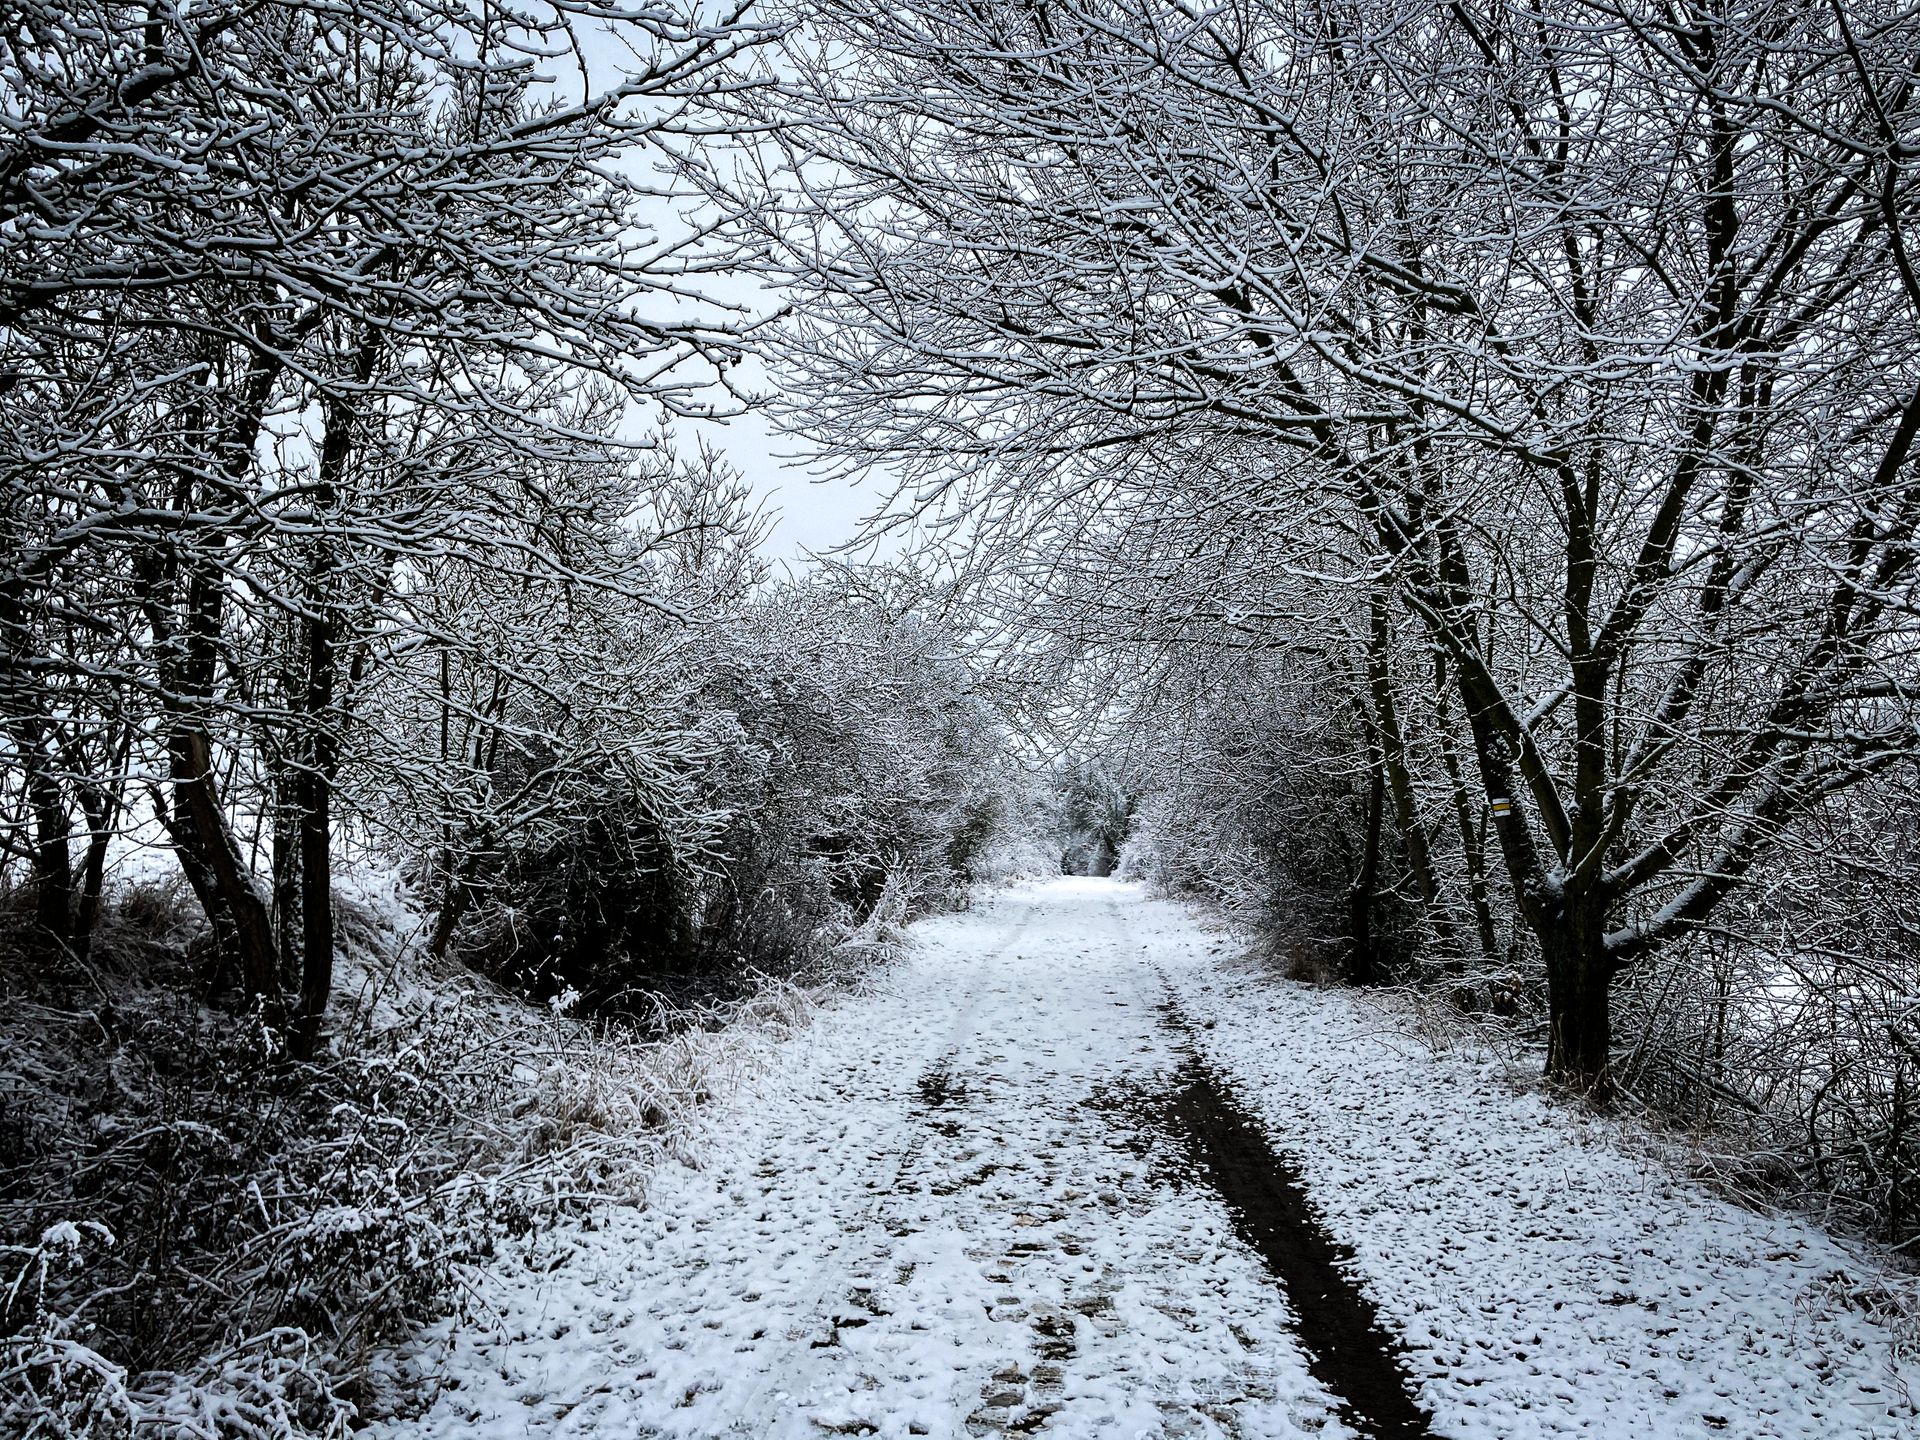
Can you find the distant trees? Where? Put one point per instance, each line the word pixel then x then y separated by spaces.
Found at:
pixel 1095 816
pixel 1555 369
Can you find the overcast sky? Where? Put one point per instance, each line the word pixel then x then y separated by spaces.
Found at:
pixel 812 515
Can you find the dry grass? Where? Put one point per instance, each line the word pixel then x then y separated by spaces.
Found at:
pixel 200 1240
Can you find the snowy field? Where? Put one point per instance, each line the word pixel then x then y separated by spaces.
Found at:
pixel 941 1213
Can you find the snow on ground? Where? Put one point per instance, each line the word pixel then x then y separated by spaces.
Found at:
pixel 1545 1282
pixel 933 1217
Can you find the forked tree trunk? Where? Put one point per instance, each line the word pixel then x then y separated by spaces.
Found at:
pixel 224 868
pixel 1570 925
pixel 100 803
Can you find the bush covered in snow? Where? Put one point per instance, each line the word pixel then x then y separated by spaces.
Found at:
pixel 832 757
pixel 205 1237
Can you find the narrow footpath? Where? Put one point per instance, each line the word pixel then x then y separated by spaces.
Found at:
pixel 1071 1168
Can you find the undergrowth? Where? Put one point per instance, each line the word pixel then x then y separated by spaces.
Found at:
pixel 200 1238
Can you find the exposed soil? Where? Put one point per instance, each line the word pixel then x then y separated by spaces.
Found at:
pixel 1347 1349
pixel 939 1089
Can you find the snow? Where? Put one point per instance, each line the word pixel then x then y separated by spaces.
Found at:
pixel 931 1217
pixel 1546 1280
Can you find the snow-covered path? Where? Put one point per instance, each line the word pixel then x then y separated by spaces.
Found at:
pixel 944 1212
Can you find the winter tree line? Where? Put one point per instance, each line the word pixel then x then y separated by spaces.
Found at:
pixel 1453 459
pixel 341 347
pixel 328 330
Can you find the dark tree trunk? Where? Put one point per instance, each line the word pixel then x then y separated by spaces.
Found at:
pixel 453 909
pixel 187 640
pixel 93 881
pixel 1473 848
pixel 51 873
pixel 1579 1000
pixel 316 918
pixel 52 862
pixel 29 725
pixel 225 869
pixel 190 754
pixel 101 803
pixel 1393 755
pixel 313 787
pixel 286 871
pixel 1362 963
pixel 188 850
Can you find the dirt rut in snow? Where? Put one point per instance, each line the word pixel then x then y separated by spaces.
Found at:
pixel 1347 1349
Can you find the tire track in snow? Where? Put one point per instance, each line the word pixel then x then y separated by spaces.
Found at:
pixel 848 1258
pixel 829 1284
pixel 1348 1349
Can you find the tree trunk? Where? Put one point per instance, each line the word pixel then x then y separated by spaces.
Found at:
pixel 100 803
pixel 453 909
pixel 225 869
pixel 1393 754
pixel 314 787
pixel 51 875
pixel 286 869
pixel 29 725
pixel 93 882
pixel 1472 843
pixel 52 862
pixel 189 852
pixel 1579 1000
pixel 190 762
pixel 316 916
pixel 1362 965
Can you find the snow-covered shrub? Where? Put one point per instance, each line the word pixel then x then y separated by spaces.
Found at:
pixel 51 1381
pixel 1009 831
pixel 1164 853
pixel 1788 1043
pixel 248 1197
pixel 817 770
pixel 272 1223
